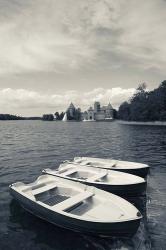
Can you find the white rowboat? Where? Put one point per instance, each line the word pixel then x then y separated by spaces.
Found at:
pixel 119 183
pixel 77 207
pixel 111 164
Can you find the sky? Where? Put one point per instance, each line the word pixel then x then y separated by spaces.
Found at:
pixel 53 52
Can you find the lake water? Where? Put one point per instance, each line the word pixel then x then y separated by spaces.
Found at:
pixel 27 147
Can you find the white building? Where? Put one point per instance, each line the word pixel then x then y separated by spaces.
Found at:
pixel 99 113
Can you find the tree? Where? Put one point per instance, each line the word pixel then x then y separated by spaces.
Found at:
pixel 57 116
pixel 142 87
pixel 115 114
pixel 10 117
pixel 61 116
pixel 124 111
pixel 145 105
pixel 48 117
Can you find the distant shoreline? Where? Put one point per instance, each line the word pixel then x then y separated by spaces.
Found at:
pixel 154 123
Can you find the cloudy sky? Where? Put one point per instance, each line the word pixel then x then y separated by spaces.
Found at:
pixel 56 51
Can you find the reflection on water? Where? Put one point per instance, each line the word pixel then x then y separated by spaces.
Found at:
pixel 27 147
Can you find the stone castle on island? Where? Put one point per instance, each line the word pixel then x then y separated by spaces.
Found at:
pixel 96 113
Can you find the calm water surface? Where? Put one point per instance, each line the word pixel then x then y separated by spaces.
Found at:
pixel 26 147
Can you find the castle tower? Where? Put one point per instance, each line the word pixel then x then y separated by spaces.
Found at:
pixel 97 107
pixel 71 110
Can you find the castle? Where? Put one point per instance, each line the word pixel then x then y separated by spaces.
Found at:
pixel 97 113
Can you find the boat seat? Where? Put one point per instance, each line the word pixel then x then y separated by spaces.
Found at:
pixel 74 200
pixel 68 172
pixel 97 176
pixel 44 189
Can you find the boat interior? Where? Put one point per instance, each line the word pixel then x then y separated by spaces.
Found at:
pixel 91 161
pixel 76 201
pixel 63 198
pixel 108 163
pixel 92 175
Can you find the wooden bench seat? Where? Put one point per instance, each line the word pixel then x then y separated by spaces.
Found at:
pixel 44 189
pixel 74 200
pixel 97 176
pixel 67 172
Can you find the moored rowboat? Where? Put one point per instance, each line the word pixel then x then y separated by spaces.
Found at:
pixel 77 207
pixel 111 164
pixel 119 183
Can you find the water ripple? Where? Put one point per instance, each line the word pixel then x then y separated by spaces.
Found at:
pixel 29 146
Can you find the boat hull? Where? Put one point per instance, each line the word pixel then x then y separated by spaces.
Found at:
pixel 142 172
pixel 120 229
pixel 130 190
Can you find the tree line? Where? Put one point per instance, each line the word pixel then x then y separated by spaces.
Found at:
pixel 145 105
pixel 10 117
pixel 50 117
pixel 6 117
pixel 59 116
